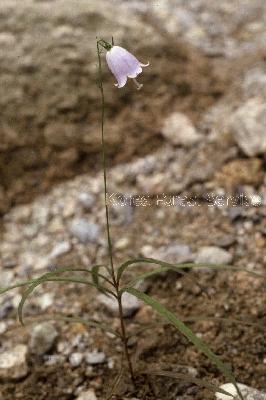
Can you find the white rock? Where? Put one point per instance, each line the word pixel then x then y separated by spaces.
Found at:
pixel 45 301
pixel 213 255
pixel 53 359
pixel 248 127
pixel 87 395
pixel 60 249
pixel 87 200
pixel 254 83
pixel 85 231
pixel 13 363
pixel 174 253
pixel 179 130
pixel 43 337
pixel 75 359
pixel 95 358
pixel 130 304
pixel 247 392
pixel 3 327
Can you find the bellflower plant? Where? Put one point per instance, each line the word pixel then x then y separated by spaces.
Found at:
pixel 125 65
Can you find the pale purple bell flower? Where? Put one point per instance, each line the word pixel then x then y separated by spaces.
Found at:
pixel 124 65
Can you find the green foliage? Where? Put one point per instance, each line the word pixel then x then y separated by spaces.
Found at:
pixel 186 331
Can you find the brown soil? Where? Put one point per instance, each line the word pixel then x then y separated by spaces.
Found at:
pixel 229 295
pixel 189 84
pixel 220 294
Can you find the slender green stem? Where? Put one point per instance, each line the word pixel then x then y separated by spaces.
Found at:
pixel 110 249
pixel 125 339
pixel 112 270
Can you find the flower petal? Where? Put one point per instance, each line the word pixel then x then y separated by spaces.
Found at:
pixel 121 82
pixel 135 73
pixel 144 65
pixel 123 65
pixel 117 69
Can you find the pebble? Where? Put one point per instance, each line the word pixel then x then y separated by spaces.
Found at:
pixel 85 231
pixel 179 130
pixel 87 395
pixel 13 363
pixel 42 338
pixel 129 302
pixel 3 327
pixel 255 83
pixel 95 358
pixel 87 200
pixel 75 359
pixel 45 301
pixel 122 243
pixel 248 127
pixel 60 249
pixel 174 253
pixel 54 359
pixel 247 392
pixel 213 255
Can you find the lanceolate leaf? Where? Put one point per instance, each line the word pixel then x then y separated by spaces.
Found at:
pixel 129 263
pixel 27 293
pixel 150 274
pixel 186 331
pixel 228 320
pixel 95 277
pixel 48 274
pixel 179 267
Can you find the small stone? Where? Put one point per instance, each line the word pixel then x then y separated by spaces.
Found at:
pixel 95 358
pixel 179 130
pixel 248 127
pixel 64 348
pixel 247 392
pixel 87 395
pixel 129 302
pixel 45 301
pixel 6 277
pixel 54 359
pixel 213 255
pixel 3 327
pixel 84 230
pixel 254 83
pixel 174 253
pixel 13 363
pixel 43 337
pixel 225 241
pixel 87 200
pixel 122 243
pixel 75 359
pixel 60 249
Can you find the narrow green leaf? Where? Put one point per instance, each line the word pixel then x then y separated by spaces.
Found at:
pixel 188 378
pixel 52 273
pixel 177 267
pixel 228 320
pixel 95 278
pixel 129 263
pixel 187 332
pixel 26 294
pixel 149 274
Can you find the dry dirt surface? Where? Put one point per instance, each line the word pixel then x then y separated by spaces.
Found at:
pixel 176 197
